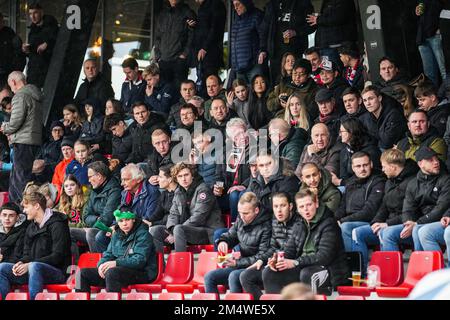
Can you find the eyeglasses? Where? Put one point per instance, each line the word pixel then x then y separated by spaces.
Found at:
pixel 92 175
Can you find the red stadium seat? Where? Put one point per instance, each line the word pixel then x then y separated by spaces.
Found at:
pixel 78 296
pixel 391 273
pixel 320 297
pixel 205 296
pixel 4 198
pixel 420 264
pixel 270 296
pixel 139 296
pixel 350 298
pixel 18 296
pixel 47 296
pixel 238 296
pixel 207 261
pixel 227 220
pixel 171 296
pixel 108 296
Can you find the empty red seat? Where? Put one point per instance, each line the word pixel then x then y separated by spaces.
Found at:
pixel 47 296
pixel 270 296
pixel 350 298
pixel 205 296
pixel 420 264
pixel 18 296
pixel 391 273
pixel 108 296
pixel 139 296
pixel 19 287
pixel 171 296
pixel 207 261
pixel 238 296
pixel 78 296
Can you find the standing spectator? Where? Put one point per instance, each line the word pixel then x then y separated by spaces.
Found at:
pixel 444 27
pixel 11 56
pixel 245 40
pixel 25 128
pixel 41 42
pixel 284 29
pixel 173 39
pixel 429 40
pixel 336 24
pixel 133 89
pixel 46 253
pixel 354 71
pixel 95 85
pixel 13 225
pixel 207 45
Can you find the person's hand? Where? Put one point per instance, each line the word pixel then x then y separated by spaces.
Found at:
pixel 154 180
pixel 262 56
pixel 445 221
pixel 95 147
pixel 149 91
pixel 193 157
pixel 285 264
pixel 222 247
pixel 289 33
pixel 376 227
pixel 236 188
pixel 104 267
pixel 312 149
pixel 201 54
pixel 113 163
pixel 20 268
pixel 335 180
pixel 147 222
pixel 38 166
pixel 257 265
pixel 311 19
pixel 26 48
pixel 191 23
pixel 1 257
pixel 230 98
pixel 315 190
pixel 66 122
pixel 42 48
pixel 170 239
pixel 182 56
pixel 231 262
pixel 272 262
pixel 407 229
pixel 217 192
pixel 281 98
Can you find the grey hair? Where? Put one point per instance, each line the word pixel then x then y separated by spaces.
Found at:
pixel 17 76
pixel 136 172
pixel 235 122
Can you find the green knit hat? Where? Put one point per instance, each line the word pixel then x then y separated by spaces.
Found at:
pixel 124 215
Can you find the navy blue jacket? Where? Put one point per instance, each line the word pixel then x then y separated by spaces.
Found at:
pixel 164 96
pixel 131 93
pixel 145 203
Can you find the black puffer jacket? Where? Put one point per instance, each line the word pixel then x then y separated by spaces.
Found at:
pixel 390 211
pixel 99 89
pixel 11 56
pixel 329 246
pixel 438 116
pixel 122 147
pixel 162 211
pixel 338 86
pixel 253 239
pixel 281 233
pixel 427 198
pixel 50 152
pixel 362 198
pixel 49 244
pixel 388 87
pixel 11 243
pixel 156 161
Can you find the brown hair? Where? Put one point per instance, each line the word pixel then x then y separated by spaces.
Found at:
pixel 77 202
pixel 306 193
pixel 181 166
pixel 35 197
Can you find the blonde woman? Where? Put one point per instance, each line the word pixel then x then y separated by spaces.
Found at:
pixel 295 113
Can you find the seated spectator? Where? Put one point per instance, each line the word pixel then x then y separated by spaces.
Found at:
pixel 384 121
pixel 72 201
pixel 313 56
pixel 187 91
pixel 133 88
pixel 252 231
pixel 355 139
pixel 220 114
pixel 138 194
pixel 188 116
pixel 122 141
pixel 272 177
pixel 50 193
pixel 199 103
pixel 161 155
pixel 203 155
pixel 399 172
pixel 353 104
pixel 6 109
pixel 436 234
pixel 237 99
pixel 113 106
pixel 92 129
pixel 283 222
pixel 49 155
pixel 319 181
pixel 354 72
pixel 72 122
pixel 129 259
pixel 215 90
pixel 328 112
pixel 363 196
pixel 259 115
pixel 329 73
pixel 168 186
pixel 68 155
pixel 390 76
pixel 321 150
pixel 6 158
pixel 104 198
pixel 437 109
pixel 79 165
pixel 13 225
pixel 314 254
pixel 141 132
pixel 302 84
pixel 296 113
pixel 287 66
pixel 159 95
pixel 427 198
pixel 288 141
pixel 46 252
pixel 421 134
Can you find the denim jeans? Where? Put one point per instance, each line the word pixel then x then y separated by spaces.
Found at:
pixel 38 275
pixel 433 58
pixel 347 229
pixel 225 276
pixel 362 237
pixel 432 235
pixel 234 199
pixel 390 238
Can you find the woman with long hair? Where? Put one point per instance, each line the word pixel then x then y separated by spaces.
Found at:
pixel 237 99
pixel 72 201
pixel 72 122
pixel 259 115
pixel 287 65
pixel 296 114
